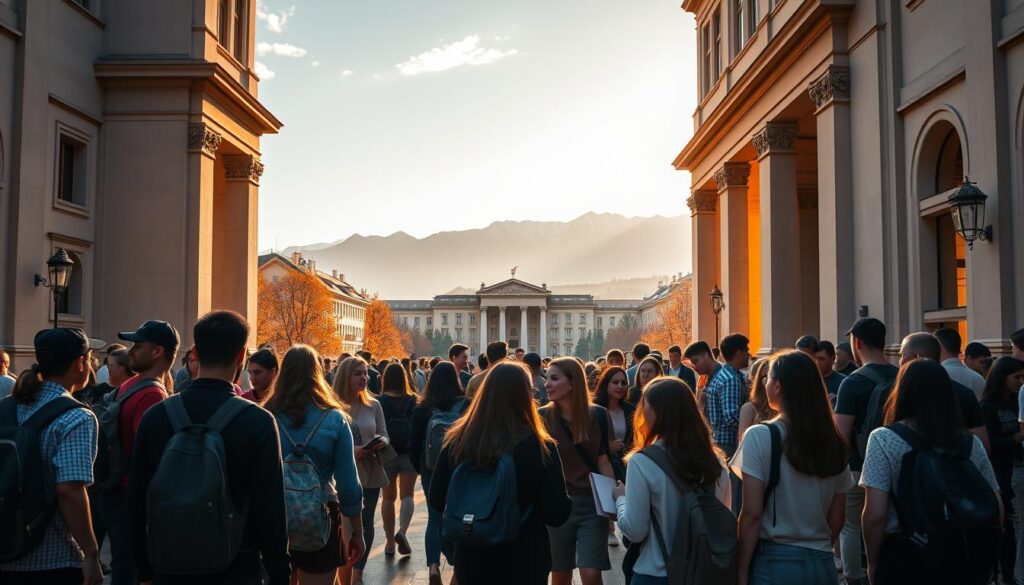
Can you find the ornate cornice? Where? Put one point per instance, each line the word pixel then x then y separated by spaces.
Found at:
pixel 834 84
pixel 201 138
pixel 807 198
pixel 243 167
pixel 775 137
pixel 732 174
pixel 703 202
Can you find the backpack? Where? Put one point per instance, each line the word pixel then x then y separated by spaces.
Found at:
pixel 398 420
pixel 25 511
pixel 305 499
pixel 874 416
pixel 946 508
pixel 112 464
pixel 706 546
pixel 439 423
pixel 482 507
pixel 193 526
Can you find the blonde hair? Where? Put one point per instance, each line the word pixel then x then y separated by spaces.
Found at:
pixel 572 369
pixel 342 377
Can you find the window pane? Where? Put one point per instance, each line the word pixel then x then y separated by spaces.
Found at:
pixel 66 187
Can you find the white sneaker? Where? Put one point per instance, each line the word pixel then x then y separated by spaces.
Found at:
pixel 612 539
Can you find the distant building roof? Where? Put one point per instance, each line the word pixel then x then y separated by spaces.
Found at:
pixel 333 283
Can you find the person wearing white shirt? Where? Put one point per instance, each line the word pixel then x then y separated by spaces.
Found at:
pixel 6 380
pixel 950 344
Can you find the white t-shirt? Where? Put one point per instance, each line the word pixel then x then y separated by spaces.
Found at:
pixel 884 455
pixel 797 512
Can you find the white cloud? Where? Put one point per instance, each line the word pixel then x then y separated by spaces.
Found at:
pixel 263 72
pixel 315 63
pixel 465 52
pixel 281 49
pixel 347 72
pixel 500 38
pixel 274 21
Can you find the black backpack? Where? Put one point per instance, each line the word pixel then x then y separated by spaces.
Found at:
pixel 25 511
pixel 398 416
pixel 874 416
pixel 112 464
pixel 948 513
pixel 193 525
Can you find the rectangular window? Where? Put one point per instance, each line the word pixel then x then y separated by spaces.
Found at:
pixel 568 333
pixel 458 334
pixel 583 332
pixel 458 318
pixel 716 33
pixel 472 333
pixel 705 60
pixel 416 322
pixel 752 17
pixel 241 40
pixel 568 318
pixel 472 319
pixel 71 171
pixel 599 321
pixel 444 318
pixel 583 318
pixel 430 322
pixel 444 331
pixel 738 24
pixel 554 333
pixel 405 321
pixel 554 318
pixel 611 321
pixel 223 22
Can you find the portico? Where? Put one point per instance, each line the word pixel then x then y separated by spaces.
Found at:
pixel 515 312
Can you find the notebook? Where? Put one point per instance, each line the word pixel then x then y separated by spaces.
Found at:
pixel 601 486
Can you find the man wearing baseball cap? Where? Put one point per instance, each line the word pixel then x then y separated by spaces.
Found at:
pixel 66 553
pixel 154 345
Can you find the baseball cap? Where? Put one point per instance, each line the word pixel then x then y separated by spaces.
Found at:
pixel 62 345
pixel 975 349
pixel 869 330
pixel 158 332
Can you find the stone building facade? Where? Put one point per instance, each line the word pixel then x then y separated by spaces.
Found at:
pixel 827 137
pixel 130 136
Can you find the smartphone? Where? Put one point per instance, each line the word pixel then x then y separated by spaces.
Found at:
pixel 373 442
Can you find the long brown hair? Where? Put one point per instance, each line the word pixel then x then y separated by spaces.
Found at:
pixel 572 369
pixel 344 374
pixel 395 379
pixel 601 393
pixel 923 394
pixel 300 383
pixel 758 392
pixel 497 418
pixel 682 429
pixel 813 445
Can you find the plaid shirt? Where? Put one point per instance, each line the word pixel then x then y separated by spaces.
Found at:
pixel 68 448
pixel 724 395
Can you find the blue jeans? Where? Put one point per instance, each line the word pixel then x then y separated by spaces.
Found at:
pixel 433 543
pixel 776 564
pixel 639 579
pixel 370 497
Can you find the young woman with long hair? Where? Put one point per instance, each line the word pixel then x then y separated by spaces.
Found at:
pixel 370 436
pixel 757 409
pixel 443 393
pixel 398 401
pixel 582 431
pixel 503 419
pixel 612 387
pixel 669 419
pixel 262 368
pixel 307 411
pixel 789 538
pixel 650 368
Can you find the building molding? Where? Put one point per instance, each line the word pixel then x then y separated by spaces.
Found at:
pixel 243 167
pixel 732 174
pixel 775 137
pixel 203 139
pixel 831 86
pixel 702 201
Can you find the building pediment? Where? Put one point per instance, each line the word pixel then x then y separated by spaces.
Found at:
pixel 512 287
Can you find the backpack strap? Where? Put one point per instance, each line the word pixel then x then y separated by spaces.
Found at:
pixel 138 386
pixel 870 374
pixel 9 412
pixel 316 428
pixel 659 456
pixel 776 467
pixel 907 434
pixel 176 413
pixel 287 437
pixel 223 416
pixel 49 412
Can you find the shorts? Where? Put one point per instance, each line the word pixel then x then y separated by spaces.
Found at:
pixel 327 559
pixel 582 541
pixel 400 464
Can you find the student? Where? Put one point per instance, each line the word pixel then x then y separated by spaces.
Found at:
pixel 724 390
pixel 262 368
pixel 789 538
pixel 458 355
pixel 443 394
pixel 7 381
pixel 825 357
pixel 350 384
pixel 922 401
pixel 397 401
pixel 308 412
pixel 648 369
pixel 67 553
pixel 582 432
pixel 615 357
pixel 503 419
pixel 667 419
pixel 677 368
pixel 612 388
pixel 640 351
pixel 999 409
pixel 757 409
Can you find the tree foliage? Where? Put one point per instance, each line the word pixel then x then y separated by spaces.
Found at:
pixel 297 308
pixel 624 335
pixel 439 343
pixel 414 342
pixel 381 336
pixel 673 324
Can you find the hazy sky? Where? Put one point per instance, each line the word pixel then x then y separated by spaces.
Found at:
pixel 425 116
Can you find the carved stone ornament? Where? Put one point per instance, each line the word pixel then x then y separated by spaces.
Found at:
pixel 702 202
pixel 202 139
pixel 834 84
pixel 775 137
pixel 807 198
pixel 732 175
pixel 243 167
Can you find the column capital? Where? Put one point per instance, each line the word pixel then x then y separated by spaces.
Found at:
pixel 833 85
pixel 807 198
pixel 202 139
pixel 501 308
pixel 243 167
pixel 702 201
pixel 732 174
pixel 775 137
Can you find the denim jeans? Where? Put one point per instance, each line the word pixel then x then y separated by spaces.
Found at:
pixel 777 564
pixel 370 498
pixel 433 543
pixel 122 560
pixel 850 539
pixel 639 579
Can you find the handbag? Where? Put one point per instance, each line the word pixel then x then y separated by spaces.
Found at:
pixel 371 470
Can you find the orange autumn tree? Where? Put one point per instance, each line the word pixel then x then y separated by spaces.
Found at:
pixel 297 308
pixel 380 334
pixel 672 325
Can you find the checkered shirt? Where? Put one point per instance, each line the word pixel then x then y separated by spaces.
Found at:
pixel 724 395
pixel 68 448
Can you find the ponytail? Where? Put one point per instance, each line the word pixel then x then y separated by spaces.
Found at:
pixel 28 385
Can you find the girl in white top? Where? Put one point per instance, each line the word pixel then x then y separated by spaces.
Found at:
pixel 667 418
pixel 788 538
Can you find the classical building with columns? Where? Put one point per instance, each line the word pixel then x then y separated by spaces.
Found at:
pixel 827 138
pixel 130 136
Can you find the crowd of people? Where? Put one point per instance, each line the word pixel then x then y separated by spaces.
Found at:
pixel 814 464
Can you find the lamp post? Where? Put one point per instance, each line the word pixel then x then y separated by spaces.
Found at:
pixel 967 204
pixel 59 266
pixel 717 304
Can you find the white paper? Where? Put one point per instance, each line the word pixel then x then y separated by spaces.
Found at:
pixel 601 486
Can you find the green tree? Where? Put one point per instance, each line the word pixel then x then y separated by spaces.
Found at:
pixel 439 343
pixel 583 346
pixel 597 344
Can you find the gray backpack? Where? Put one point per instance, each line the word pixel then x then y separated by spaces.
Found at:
pixel 705 551
pixel 111 464
pixel 305 499
pixel 193 526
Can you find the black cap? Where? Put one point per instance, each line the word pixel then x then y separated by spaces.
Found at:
pixel 867 327
pixel 62 345
pixel 158 332
pixel 975 349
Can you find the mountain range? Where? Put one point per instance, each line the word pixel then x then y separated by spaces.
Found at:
pixel 606 254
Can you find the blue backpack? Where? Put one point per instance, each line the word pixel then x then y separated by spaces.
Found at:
pixel 482 508
pixel 439 423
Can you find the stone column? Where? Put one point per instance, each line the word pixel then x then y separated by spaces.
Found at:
pixel 831 96
pixel 732 215
pixel 483 329
pixel 523 336
pixel 704 230
pixel 807 205
pixel 238 267
pixel 203 143
pixel 780 311
pixel 543 347
pixel 502 335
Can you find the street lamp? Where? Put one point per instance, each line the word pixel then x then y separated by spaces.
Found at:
pixel 717 304
pixel 967 204
pixel 59 266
